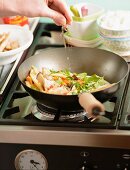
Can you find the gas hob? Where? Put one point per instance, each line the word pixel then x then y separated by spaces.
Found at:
pixel 19 108
pixel 26 127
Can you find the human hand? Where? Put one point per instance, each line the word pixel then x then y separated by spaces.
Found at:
pixel 54 9
pixel 57 10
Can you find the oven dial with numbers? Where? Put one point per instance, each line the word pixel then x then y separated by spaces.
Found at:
pixel 30 160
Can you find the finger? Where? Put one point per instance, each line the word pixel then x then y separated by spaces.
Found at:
pixel 58 18
pixel 61 7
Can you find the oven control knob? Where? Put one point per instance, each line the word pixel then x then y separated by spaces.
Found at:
pixel 84 167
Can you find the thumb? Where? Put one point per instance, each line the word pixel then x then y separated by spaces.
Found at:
pixel 57 17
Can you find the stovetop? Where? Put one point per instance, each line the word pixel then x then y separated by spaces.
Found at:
pixel 19 124
pixel 19 108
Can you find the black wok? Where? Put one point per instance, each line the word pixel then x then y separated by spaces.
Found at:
pixel 79 59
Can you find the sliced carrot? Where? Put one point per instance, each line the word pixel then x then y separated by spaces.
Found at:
pixel 55 78
pixel 29 79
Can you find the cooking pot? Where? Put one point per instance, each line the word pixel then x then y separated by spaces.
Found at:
pixel 112 67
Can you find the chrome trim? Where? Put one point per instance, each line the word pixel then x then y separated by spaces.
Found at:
pixel 65 136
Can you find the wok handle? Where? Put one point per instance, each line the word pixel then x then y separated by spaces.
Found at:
pixel 91 105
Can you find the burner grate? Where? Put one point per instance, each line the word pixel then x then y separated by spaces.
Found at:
pixel 51 114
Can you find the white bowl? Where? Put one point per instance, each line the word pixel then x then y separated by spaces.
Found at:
pixel 82 43
pixel 114 24
pixel 24 37
pixel 85 28
pixel 117 45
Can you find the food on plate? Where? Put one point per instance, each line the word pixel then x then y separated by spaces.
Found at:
pixel 16 20
pixel 75 11
pixel 6 44
pixel 115 20
pixel 84 10
pixel 79 11
pixel 64 82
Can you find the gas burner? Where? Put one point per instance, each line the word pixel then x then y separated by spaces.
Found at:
pixel 45 113
pixel 42 115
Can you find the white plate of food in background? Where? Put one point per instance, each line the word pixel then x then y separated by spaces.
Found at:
pixel 13 40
